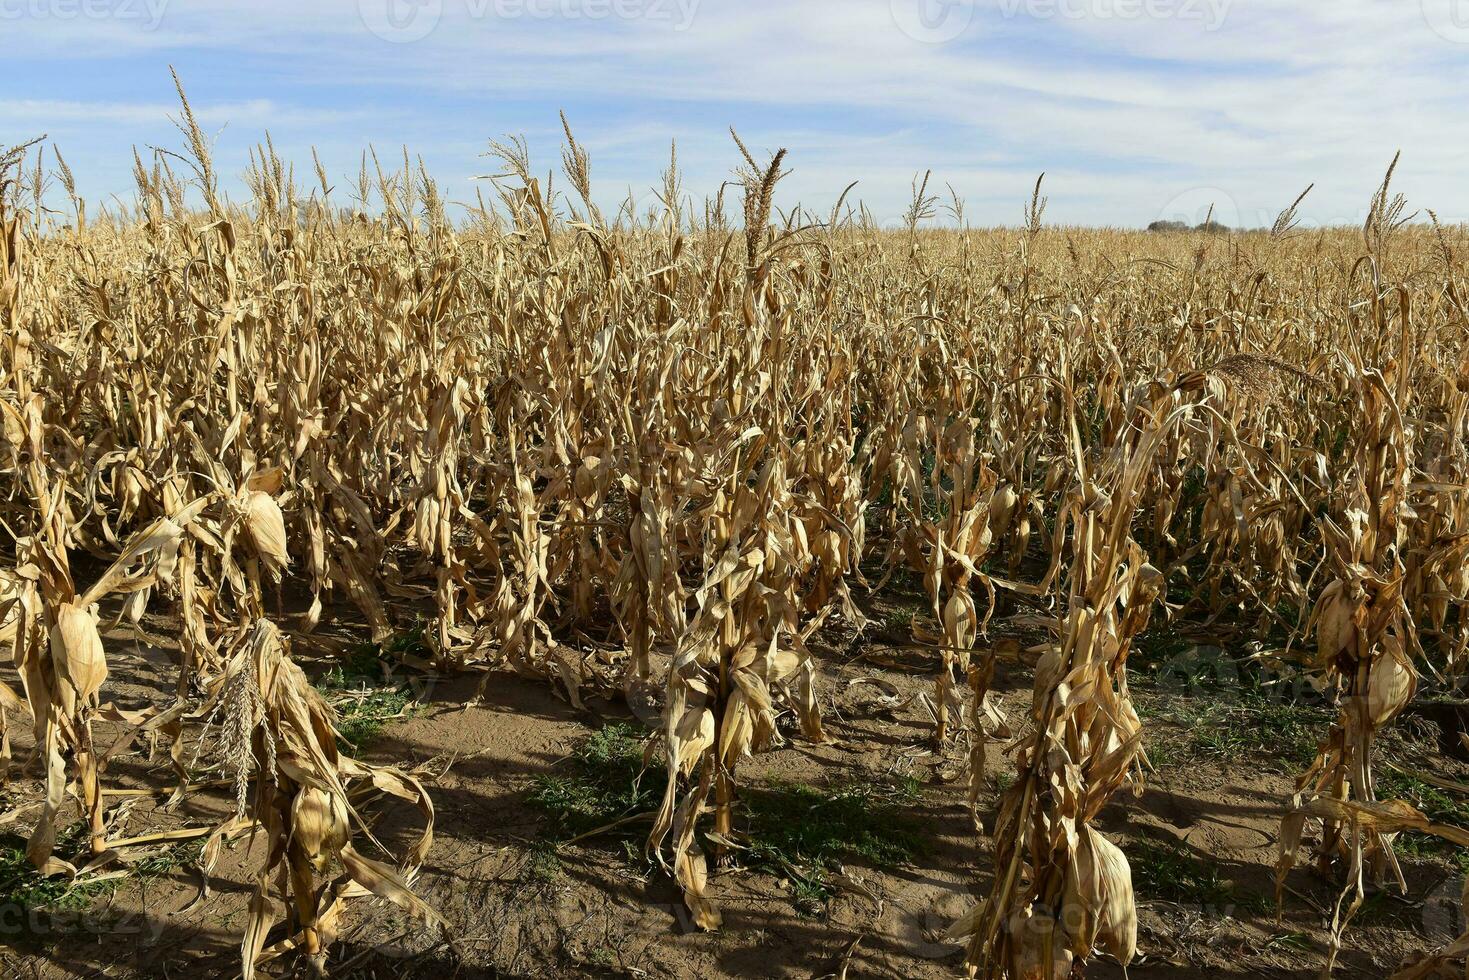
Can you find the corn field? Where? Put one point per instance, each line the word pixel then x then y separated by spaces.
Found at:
pixel 654 455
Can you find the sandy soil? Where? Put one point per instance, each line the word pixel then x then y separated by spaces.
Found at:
pixel 602 915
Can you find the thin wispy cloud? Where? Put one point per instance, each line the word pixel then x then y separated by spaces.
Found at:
pixel 251 111
pixel 1129 112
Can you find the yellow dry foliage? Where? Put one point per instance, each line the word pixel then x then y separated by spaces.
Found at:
pixel 654 454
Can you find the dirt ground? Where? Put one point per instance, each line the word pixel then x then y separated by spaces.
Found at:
pixel 598 909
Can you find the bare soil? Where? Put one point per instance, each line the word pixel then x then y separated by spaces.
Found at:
pixel 519 908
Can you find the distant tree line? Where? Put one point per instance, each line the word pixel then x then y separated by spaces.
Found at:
pixel 1210 226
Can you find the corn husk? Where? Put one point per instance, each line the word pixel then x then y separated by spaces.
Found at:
pixel 266 527
pixel 77 655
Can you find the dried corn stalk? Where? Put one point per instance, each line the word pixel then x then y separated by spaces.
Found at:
pixel 1061 889
pixel 1365 641
pixel 598 446
pixel 276 733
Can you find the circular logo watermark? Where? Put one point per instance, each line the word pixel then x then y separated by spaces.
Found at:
pixel 1449 19
pixel 401 21
pixel 933 21
pixel 1443 916
pixel 1194 206
pixel 923 932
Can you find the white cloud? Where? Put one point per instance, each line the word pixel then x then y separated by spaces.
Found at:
pixel 251 112
pixel 1125 112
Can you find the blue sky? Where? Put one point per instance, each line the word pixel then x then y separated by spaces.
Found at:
pixel 1136 109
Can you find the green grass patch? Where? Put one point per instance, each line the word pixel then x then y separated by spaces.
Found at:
pixel 797 832
pixel 603 781
pixel 1154 650
pixel 373 662
pixel 1169 871
pixel 1281 736
pixel 25 889
pixel 1214 707
pixel 1280 732
pixel 543 863
pixel 805 833
pixel 361 718
pixel 365 692
pixel 898 620
pixel 1438 805
pixel 1225 708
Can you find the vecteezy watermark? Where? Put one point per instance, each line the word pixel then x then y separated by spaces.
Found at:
pixel 923 931
pixel 933 21
pixel 1203 671
pixel 1198 204
pixel 147 13
pixel 941 21
pixel 401 21
pixel 1190 208
pixel 1443 912
pixel 1449 19
pixel 1208 13
pixel 405 21
pixel 17 921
